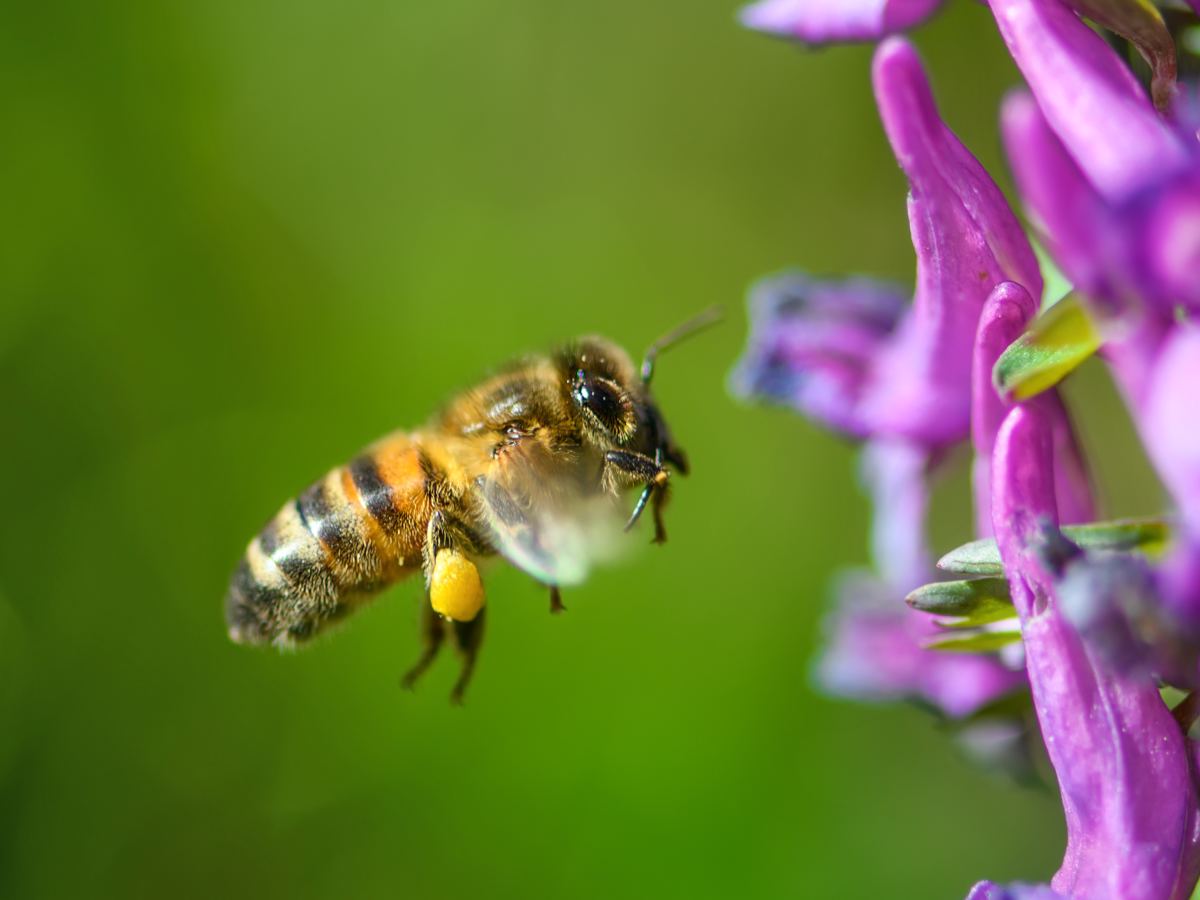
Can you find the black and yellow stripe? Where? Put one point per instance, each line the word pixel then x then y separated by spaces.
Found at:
pixel 350 534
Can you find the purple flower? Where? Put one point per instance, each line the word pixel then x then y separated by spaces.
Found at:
pixel 843 352
pixel 822 21
pixel 875 643
pixel 854 356
pixel 812 342
pixel 1122 761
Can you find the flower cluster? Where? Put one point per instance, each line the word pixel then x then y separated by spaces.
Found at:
pixel 1089 618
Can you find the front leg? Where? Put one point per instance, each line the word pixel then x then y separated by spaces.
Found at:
pixel 637 468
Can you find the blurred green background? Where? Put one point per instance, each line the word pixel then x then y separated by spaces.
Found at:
pixel 241 240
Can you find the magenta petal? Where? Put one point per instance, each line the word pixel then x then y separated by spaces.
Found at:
pixel 1170 424
pixel 1072 218
pixel 835 21
pixel 967 241
pixel 1089 97
pixel 1121 761
pixel 1166 242
pixel 1007 312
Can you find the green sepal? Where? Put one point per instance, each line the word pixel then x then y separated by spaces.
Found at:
pixel 981 641
pixel 1060 339
pixel 1146 536
pixel 968 604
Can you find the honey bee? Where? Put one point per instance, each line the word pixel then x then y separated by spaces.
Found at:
pixel 530 464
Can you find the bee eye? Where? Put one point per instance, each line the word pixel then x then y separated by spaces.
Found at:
pixel 601 399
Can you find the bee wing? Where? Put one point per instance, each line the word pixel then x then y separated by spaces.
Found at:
pixel 554 535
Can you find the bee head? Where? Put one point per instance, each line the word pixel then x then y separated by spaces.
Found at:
pixel 614 398
pixel 604 387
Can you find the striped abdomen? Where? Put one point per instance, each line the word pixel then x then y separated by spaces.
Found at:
pixel 351 534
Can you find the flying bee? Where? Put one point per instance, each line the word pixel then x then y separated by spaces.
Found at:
pixel 531 464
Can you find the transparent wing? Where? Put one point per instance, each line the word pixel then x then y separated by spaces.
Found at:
pixel 546 526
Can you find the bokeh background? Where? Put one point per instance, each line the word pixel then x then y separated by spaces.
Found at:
pixel 241 240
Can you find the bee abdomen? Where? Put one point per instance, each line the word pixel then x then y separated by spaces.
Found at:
pixel 351 534
pixel 307 567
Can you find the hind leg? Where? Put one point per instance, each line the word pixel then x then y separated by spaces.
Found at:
pixel 433 632
pixel 468 636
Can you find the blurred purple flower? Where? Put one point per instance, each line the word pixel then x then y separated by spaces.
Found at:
pixel 987 890
pixel 823 22
pixel 812 342
pixel 1122 761
pixel 843 351
pixel 852 355
pixel 874 642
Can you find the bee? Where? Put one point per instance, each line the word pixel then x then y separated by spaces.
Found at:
pixel 531 465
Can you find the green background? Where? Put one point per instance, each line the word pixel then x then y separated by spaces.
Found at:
pixel 241 240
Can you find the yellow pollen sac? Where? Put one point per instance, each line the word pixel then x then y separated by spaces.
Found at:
pixel 456 590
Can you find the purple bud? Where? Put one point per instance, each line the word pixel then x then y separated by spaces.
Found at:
pixel 1008 311
pixel 823 22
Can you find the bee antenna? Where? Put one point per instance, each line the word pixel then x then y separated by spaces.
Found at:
pixel 694 325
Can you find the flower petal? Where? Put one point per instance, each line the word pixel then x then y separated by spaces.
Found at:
pixel 835 21
pixel 1165 237
pixel 1007 311
pixel 1072 218
pixel 812 342
pixel 967 241
pixel 1169 424
pixel 1089 97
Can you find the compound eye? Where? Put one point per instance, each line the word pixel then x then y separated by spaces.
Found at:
pixel 603 399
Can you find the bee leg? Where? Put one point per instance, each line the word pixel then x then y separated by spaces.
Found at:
pixel 639 468
pixel 660 501
pixel 469 638
pixel 556 604
pixel 433 632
